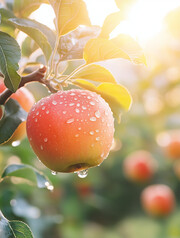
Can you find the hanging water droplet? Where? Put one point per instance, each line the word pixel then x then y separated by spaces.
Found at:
pixel 48 186
pixel 53 172
pixel 70 120
pixel 98 114
pixel 82 173
pixel 93 119
pixel 16 143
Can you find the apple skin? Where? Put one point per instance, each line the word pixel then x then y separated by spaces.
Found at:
pixel 139 166
pixel 158 200
pixel 71 131
pixel 26 100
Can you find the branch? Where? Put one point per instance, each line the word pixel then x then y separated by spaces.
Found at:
pixel 37 76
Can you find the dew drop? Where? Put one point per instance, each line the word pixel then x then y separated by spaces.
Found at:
pixel 48 186
pixel 92 103
pixel 54 102
pixel 53 172
pixel 77 135
pixel 33 109
pixel 42 103
pixel 35 119
pixel 93 119
pixel 84 108
pixel 72 94
pixel 61 103
pixel 98 114
pixel 82 173
pixel 47 112
pixel 78 104
pixel 77 110
pixel 79 128
pixel 37 113
pixel 75 99
pixel 45 139
pixel 88 97
pixel 41 147
pixel 91 132
pixel 71 104
pixel 43 108
pixel 96 130
pixel 97 138
pixel 16 143
pixel 70 120
pixel 64 112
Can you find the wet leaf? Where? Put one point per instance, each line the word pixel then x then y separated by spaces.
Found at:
pixel 100 49
pixel 10 55
pixel 95 72
pixel 41 34
pixel 14 229
pixel 12 118
pixel 70 14
pixel 71 45
pixel 27 172
pixel 115 95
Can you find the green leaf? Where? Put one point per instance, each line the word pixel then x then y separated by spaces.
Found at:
pixel 110 23
pixel 24 8
pixel 12 118
pixel 28 46
pixel 70 14
pixel 41 34
pixel 10 55
pixel 115 95
pixel 5 26
pixel 131 47
pixel 100 49
pixel 71 45
pixel 94 72
pixel 29 173
pixel 14 229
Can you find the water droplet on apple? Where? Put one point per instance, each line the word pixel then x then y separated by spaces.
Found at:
pixel 77 110
pixel 93 119
pixel 54 102
pixel 82 173
pixel 98 114
pixel 45 139
pixel 92 103
pixel 71 104
pixel 70 121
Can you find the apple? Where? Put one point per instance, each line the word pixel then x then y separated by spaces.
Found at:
pixel 158 200
pixel 139 166
pixel 71 130
pixel 26 100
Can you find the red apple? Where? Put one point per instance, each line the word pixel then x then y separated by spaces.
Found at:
pixel 71 130
pixel 26 100
pixel 139 166
pixel 158 200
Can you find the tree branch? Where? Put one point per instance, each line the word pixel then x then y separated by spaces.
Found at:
pixel 37 76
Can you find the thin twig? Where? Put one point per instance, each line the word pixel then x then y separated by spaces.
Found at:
pixel 37 76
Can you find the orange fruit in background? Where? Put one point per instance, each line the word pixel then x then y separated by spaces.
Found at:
pixel 26 100
pixel 71 130
pixel 158 200
pixel 139 166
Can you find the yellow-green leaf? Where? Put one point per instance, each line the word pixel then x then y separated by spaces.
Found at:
pixel 131 47
pixel 100 49
pixel 96 73
pixel 115 95
pixel 110 23
pixel 70 14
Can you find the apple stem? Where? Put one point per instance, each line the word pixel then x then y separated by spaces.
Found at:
pixel 36 76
